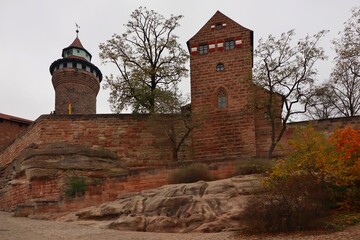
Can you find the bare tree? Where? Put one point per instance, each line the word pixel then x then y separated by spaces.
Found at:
pixel 340 96
pixel 289 71
pixel 345 78
pixel 150 61
pixel 320 103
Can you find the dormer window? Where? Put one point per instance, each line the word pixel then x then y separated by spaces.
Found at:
pixel 203 49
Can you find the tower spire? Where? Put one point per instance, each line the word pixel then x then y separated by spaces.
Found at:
pixel 77 30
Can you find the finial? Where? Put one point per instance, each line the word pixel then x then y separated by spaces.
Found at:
pixel 77 29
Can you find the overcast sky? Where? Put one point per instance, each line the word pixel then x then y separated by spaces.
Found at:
pixel 34 32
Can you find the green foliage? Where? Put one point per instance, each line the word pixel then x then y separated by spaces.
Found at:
pixel 319 173
pixel 75 185
pixel 253 166
pixel 192 173
pixel 150 61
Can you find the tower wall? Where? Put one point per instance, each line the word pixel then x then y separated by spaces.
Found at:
pixel 79 86
pixel 227 132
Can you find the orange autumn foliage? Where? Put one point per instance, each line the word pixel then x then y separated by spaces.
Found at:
pixel 346 144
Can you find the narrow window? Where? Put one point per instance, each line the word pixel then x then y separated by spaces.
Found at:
pixel 203 49
pixel 221 99
pixel 64 65
pixel 83 66
pixel 229 44
pixel 74 65
pixel 220 67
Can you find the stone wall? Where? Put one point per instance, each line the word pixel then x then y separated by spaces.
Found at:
pixel 138 140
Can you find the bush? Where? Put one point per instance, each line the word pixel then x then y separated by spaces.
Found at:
pixel 320 172
pixel 75 186
pixel 253 166
pixel 294 203
pixel 192 173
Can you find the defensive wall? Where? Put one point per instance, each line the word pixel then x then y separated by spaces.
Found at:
pixel 140 142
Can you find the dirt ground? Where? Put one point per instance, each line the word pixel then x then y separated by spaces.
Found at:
pixel 29 229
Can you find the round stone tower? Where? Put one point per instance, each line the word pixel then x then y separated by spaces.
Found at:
pixel 76 81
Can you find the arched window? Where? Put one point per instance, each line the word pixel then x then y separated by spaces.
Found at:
pixel 220 67
pixel 221 99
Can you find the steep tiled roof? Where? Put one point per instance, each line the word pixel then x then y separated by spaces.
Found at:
pixel 76 43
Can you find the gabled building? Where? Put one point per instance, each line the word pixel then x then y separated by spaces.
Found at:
pixel 223 94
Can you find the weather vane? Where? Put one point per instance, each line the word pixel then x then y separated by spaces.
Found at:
pixel 77 29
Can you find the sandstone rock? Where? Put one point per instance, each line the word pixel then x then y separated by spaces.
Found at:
pixel 44 161
pixel 201 207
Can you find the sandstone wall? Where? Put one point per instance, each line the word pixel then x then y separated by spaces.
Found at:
pixel 138 140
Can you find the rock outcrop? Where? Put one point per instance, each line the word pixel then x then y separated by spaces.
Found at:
pixel 49 160
pixel 44 161
pixel 197 207
pixel 38 175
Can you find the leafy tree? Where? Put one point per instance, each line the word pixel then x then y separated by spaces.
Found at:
pixel 150 61
pixel 289 71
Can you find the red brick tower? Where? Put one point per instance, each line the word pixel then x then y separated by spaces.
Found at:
pixel 76 81
pixel 221 90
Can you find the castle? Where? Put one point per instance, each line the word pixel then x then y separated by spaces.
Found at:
pixel 126 152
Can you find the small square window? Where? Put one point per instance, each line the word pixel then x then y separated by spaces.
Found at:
pixel 64 65
pixel 229 44
pixel 74 65
pixel 203 49
pixel 218 26
pixel 220 67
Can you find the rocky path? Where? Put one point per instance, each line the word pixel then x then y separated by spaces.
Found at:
pixel 12 228
pixel 24 228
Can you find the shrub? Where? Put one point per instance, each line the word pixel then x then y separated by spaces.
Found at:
pixel 75 186
pixel 253 166
pixel 294 203
pixel 192 173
